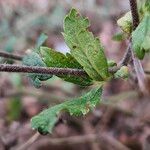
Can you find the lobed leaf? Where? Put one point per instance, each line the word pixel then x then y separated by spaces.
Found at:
pixel 45 121
pixel 85 48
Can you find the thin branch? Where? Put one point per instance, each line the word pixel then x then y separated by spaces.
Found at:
pixel 50 70
pixel 127 57
pixel 134 12
pixel 109 141
pixel 29 142
pixel 140 74
pixel 10 56
pixel 42 70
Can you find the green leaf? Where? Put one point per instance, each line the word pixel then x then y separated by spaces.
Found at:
pixel 14 109
pixel 10 44
pixel 85 48
pixel 123 72
pixel 112 63
pixel 45 121
pixel 40 41
pixel 56 59
pixel 141 37
pixel 119 37
pixel 33 59
pixel 125 23
pixel 147 6
pixel 16 79
pixel 144 7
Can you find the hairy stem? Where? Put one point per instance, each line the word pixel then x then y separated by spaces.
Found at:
pixel 134 12
pixel 47 70
pixel 50 70
pixel 42 70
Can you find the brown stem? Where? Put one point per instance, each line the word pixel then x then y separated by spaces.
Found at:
pixel 127 57
pixel 10 56
pixel 135 20
pixel 134 12
pixel 47 70
pixel 42 70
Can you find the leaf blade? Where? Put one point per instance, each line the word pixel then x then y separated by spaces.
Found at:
pixel 85 48
pixel 45 121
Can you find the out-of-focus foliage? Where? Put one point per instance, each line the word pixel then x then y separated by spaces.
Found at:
pixel 19 27
pixel 14 109
pixel 40 41
pixel 141 36
pixel 33 59
pixel 123 72
pixel 119 37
